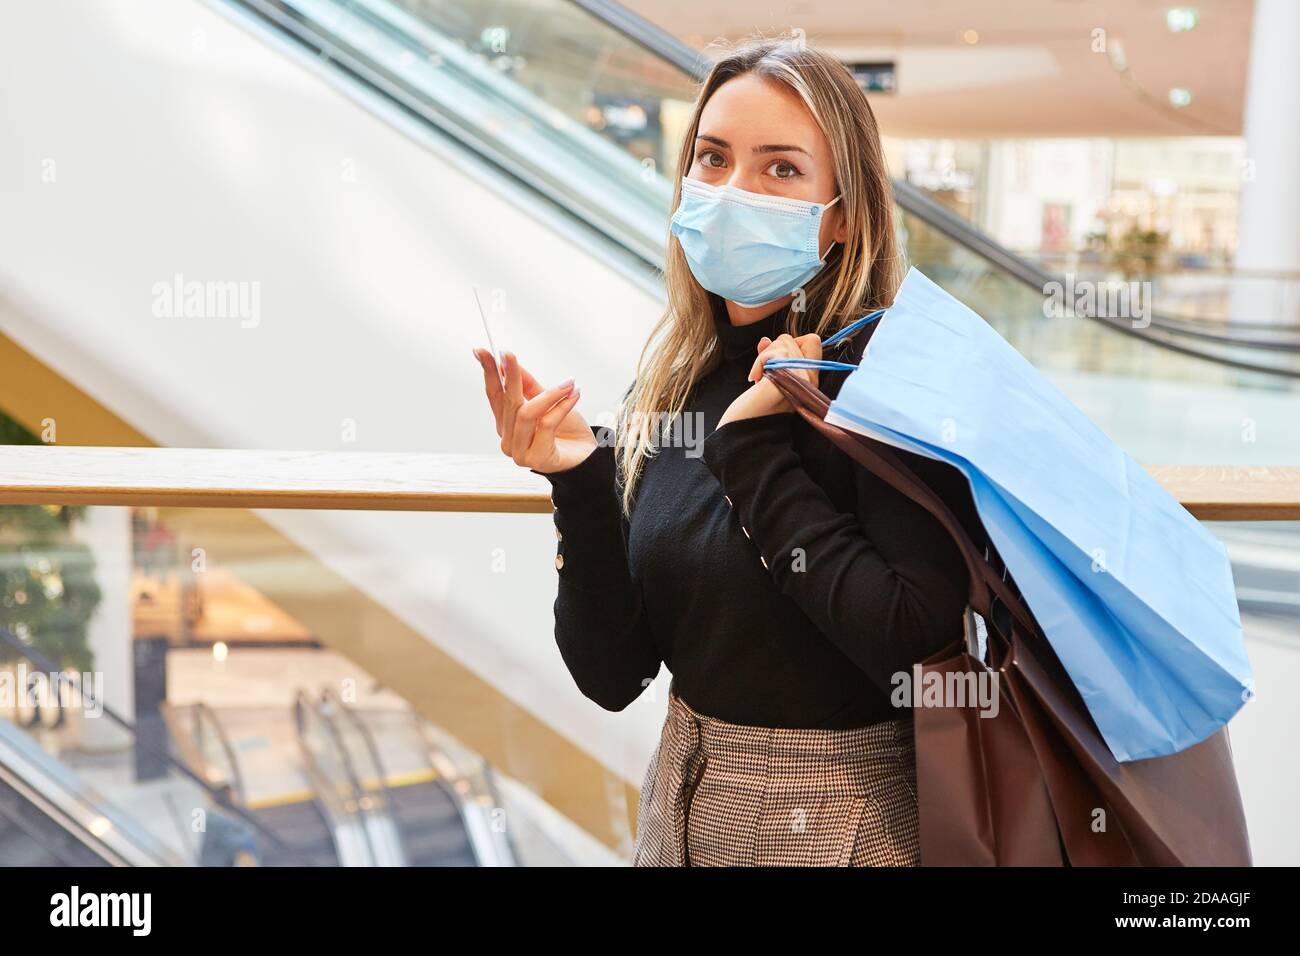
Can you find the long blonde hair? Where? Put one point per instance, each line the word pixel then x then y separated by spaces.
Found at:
pixel 860 275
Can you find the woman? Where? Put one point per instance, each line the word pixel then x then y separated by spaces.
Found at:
pixel 782 586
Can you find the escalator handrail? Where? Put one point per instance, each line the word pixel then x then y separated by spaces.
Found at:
pixel 303 703
pixel 335 816
pixel 481 784
pixel 202 710
pixel 328 696
pixel 648 35
pixel 368 741
pixel 46 666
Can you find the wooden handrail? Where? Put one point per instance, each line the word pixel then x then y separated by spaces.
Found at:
pixel 1233 492
pixel 401 481
pixel 215 478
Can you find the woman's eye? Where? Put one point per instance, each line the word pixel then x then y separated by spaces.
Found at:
pixel 783 170
pixel 710 158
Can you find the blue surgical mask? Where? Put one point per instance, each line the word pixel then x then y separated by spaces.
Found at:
pixel 746 247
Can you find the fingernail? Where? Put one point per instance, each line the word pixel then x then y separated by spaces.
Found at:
pixel 566 383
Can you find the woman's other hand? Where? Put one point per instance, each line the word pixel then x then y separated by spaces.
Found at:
pixel 540 428
pixel 764 398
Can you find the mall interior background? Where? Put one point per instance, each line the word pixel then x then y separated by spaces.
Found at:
pixel 373 688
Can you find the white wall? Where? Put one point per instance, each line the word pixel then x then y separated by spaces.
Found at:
pixel 145 138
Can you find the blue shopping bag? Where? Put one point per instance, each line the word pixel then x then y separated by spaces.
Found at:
pixel 1134 595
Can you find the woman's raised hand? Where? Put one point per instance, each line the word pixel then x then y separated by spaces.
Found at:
pixel 787 346
pixel 763 398
pixel 540 428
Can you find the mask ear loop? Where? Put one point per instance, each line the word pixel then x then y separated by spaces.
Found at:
pixel 839 337
pixel 838 197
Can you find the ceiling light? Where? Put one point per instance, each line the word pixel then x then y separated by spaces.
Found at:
pixel 1181 19
pixel 1180 96
pixel 970 36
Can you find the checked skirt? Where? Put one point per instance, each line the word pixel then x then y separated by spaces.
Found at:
pixel 724 794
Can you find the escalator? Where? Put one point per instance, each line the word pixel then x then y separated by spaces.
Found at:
pixel 540 89
pixel 417 804
pixel 445 803
pixel 49 816
pixel 297 820
pixel 131 802
pixel 385 790
pixel 31 836
pixel 382 787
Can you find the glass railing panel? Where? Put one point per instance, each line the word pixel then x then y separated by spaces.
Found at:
pixel 416 757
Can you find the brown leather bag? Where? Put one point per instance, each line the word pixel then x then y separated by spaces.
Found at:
pixel 1036 784
pixel 983 799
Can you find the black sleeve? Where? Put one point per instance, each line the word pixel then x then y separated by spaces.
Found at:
pixel 887 584
pixel 600 622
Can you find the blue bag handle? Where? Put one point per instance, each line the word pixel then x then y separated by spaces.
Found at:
pixel 837 339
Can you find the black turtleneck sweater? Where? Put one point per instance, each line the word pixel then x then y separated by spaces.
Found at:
pixel 781 583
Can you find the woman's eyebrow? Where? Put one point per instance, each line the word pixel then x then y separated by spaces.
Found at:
pixel 770 148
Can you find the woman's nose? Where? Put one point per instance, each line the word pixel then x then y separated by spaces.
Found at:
pixel 745 179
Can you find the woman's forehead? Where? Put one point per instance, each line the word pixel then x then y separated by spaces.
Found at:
pixel 754 110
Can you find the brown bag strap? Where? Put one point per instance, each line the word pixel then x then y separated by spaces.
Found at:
pixel 882 461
